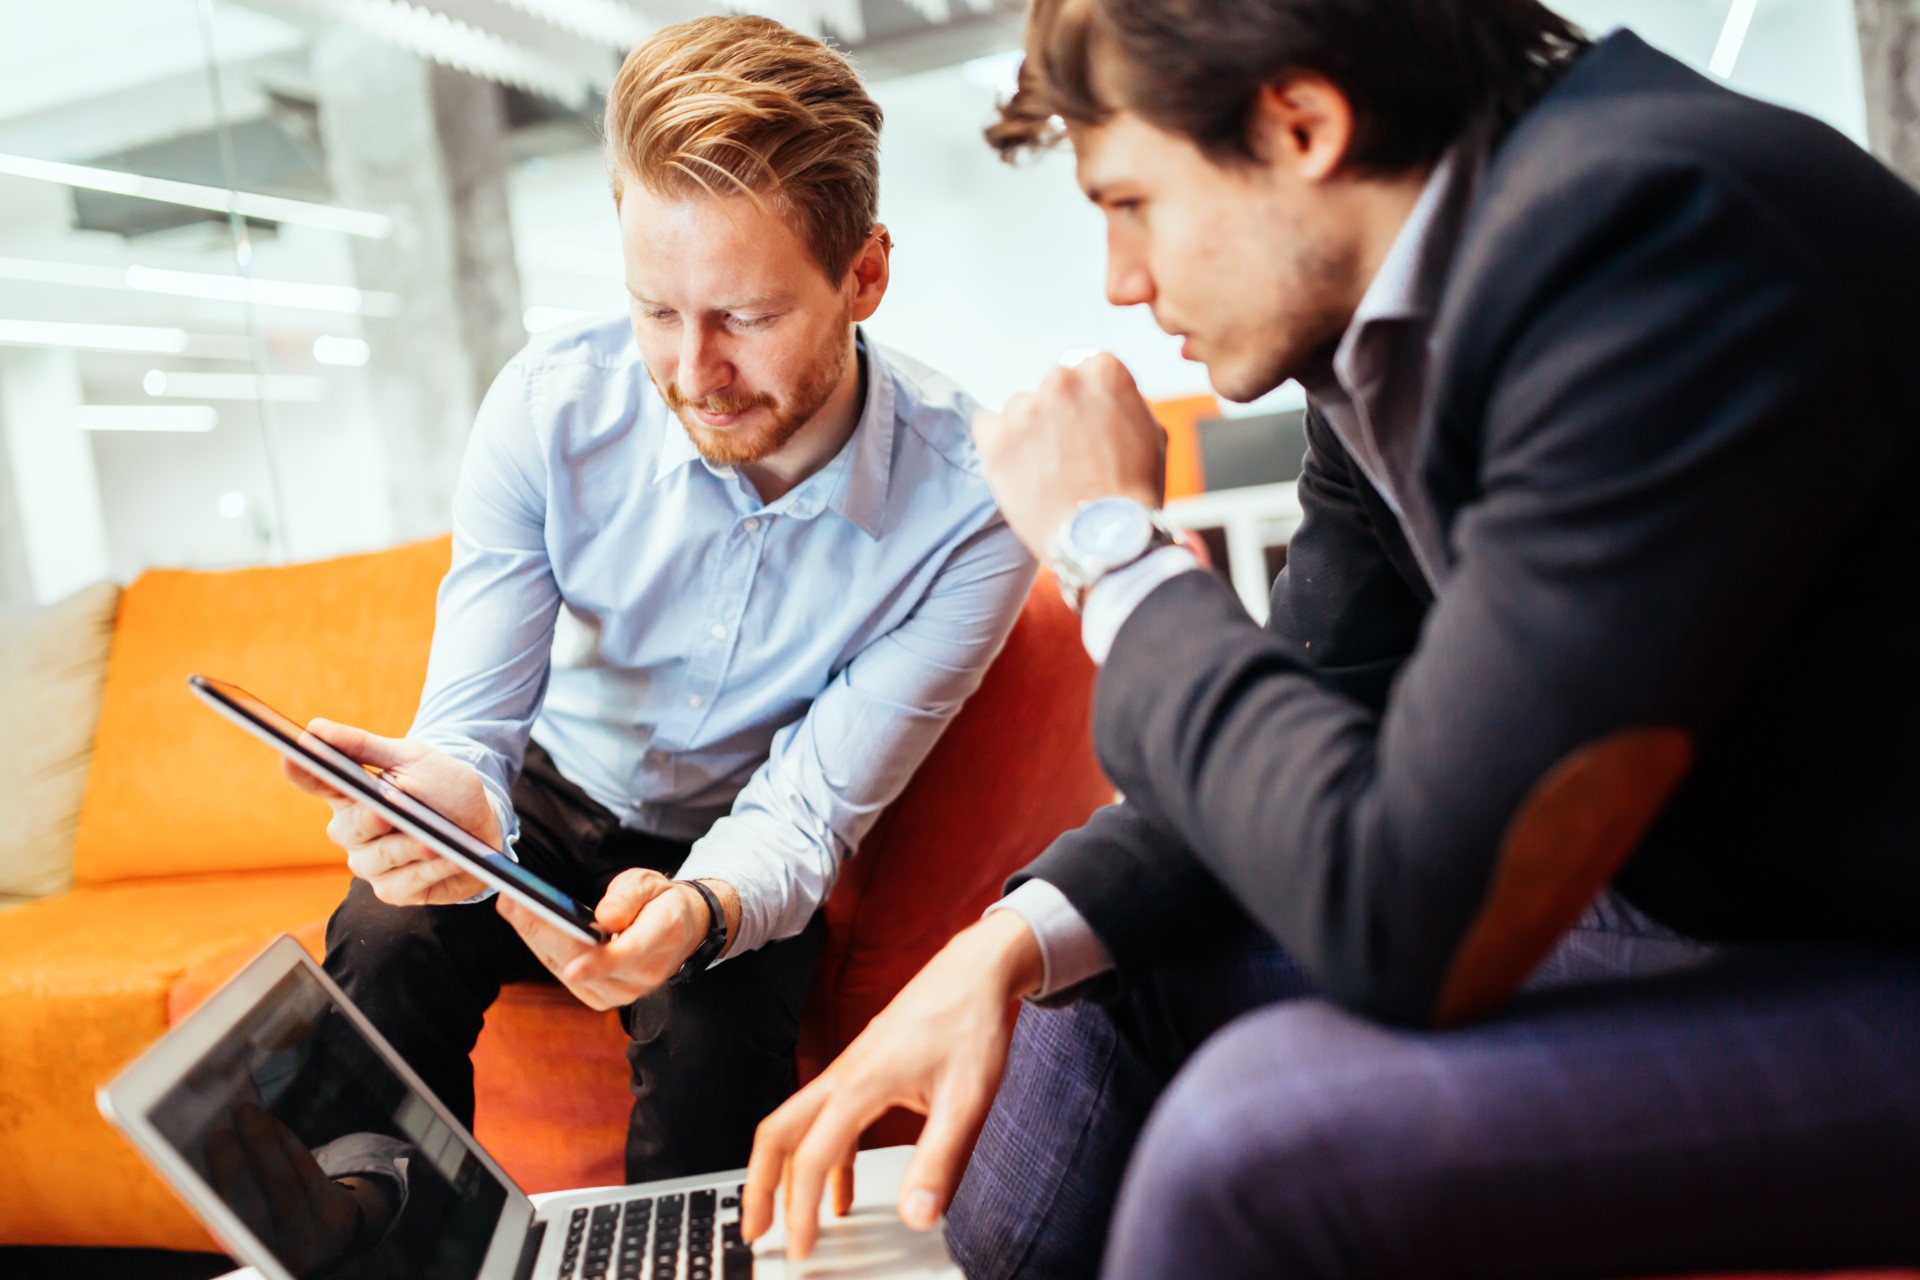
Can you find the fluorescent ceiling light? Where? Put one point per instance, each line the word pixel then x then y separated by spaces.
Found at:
pixel 248 204
pixel 93 337
pixel 145 417
pixel 78 274
pixel 351 352
pixel 288 387
pixel 337 299
pixel 536 319
pixel 1732 36
pixel 340 299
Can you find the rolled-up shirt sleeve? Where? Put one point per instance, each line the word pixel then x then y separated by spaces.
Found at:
pixel 830 774
pixel 493 629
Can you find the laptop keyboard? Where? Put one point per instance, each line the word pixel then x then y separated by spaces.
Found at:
pixel 695 1236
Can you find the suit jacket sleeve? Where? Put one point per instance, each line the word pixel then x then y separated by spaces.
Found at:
pixel 1341 600
pixel 1625 560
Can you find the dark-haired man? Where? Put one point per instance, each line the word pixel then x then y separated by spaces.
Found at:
pixel 1591 674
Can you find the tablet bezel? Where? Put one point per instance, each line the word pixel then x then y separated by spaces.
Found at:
pixel 408 813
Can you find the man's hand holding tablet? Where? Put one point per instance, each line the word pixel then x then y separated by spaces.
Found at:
pixel 653 924
pixel 402 871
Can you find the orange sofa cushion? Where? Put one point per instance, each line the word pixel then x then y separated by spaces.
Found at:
pixel 175 790
pixel 84 983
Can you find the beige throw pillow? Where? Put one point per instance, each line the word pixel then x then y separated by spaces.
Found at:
pixel 53 661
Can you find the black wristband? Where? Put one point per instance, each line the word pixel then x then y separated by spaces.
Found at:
pixel 711 945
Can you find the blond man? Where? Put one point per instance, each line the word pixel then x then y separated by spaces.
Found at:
pixel 722 572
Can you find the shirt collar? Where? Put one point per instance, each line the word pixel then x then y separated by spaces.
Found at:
pixel 853 483
pixel 862 498
pixel 1408 284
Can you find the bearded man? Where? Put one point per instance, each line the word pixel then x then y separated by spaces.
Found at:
pixel 719 580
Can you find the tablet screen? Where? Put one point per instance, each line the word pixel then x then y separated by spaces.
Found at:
pixel 447 836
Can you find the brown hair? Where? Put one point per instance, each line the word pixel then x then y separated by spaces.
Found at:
pixel 1419 74
pixel 742 105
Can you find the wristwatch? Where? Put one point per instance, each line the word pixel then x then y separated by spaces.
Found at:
pixel 1102 535
pixel 711 945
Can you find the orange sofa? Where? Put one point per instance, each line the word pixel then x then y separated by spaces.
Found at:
pixel 191 853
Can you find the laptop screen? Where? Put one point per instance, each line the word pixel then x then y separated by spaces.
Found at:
pixel 335 1163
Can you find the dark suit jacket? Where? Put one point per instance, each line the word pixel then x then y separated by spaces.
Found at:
pixel 1671 435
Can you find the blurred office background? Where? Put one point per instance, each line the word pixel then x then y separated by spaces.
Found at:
pixel 260 258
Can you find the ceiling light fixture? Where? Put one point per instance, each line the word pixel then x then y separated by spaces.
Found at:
pixel 286 387
pixel 93 337
pixel 1732 36
pixel 294 294
pixel 146 417
pixel 348 352
pixel 193 195
pixel 340 299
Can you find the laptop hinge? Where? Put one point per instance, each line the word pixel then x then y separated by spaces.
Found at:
pixel 530 1250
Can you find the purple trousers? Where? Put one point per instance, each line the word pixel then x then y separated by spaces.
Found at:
pixel 1647 1106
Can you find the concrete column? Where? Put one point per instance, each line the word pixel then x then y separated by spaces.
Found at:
pixel 1890 58
pixel 50 504
pixel 426 146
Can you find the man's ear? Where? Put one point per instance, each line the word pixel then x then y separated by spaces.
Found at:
pixel 1302 124
pixel 871 270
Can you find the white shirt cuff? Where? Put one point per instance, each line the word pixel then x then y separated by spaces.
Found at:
pixel 1070 951
pixel 1114 598
pixel 510 831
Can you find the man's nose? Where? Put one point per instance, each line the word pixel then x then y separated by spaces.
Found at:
pixel 1129 283
pixel 704 368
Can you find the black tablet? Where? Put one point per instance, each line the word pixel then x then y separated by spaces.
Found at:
pixel 418 819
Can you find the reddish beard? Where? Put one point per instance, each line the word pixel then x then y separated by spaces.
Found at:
pixel 756 439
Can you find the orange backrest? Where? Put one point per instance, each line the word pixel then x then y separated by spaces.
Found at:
pixel 172 788
pixel 1182 418
pixel 1014 769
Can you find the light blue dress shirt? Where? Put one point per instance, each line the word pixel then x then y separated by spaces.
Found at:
pixel 759 678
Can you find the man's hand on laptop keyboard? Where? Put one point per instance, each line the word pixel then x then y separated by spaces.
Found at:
pixel 654 923
pixel 938 1049
pixel 402 871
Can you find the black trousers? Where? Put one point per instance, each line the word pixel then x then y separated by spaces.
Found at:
pixel 710 1059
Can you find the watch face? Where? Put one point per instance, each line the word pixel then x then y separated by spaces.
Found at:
pixel 1110 531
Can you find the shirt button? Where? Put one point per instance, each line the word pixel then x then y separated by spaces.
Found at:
pixel 751 524
pixel 718 631
pixel 695 701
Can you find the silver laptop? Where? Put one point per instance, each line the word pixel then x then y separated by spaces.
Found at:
pixel 314 1153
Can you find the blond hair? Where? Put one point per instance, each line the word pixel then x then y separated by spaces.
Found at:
pixel 744 106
